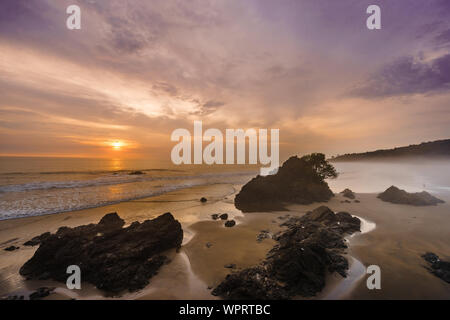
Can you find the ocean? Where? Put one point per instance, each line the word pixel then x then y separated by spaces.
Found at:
pixel 31 186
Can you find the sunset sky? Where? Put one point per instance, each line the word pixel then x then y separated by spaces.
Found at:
pixel 137 70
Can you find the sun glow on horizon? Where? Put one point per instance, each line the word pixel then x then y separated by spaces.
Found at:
pixel 117 145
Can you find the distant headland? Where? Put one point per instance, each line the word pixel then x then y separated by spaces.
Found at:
pixel 433 149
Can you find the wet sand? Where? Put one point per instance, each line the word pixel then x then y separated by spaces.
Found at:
pixel 402 234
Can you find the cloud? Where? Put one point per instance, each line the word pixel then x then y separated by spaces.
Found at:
pixel 443 38
pixel 408 76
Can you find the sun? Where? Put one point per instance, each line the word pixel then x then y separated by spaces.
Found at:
pixel 116 145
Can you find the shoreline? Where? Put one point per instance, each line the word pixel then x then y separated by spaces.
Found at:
pixel 197 268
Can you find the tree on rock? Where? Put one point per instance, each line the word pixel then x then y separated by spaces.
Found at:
pixel 298 180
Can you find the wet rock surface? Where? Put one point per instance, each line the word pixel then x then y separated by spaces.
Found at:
pixel 398 196
pixel 297 181
pixel 310 247
pixel 111 257
pixel 439 268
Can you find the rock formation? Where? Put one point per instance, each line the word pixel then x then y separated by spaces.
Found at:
pixel 111 257
pixel 348 194
pixel 298 180
pixel 311 247
pixel 396 195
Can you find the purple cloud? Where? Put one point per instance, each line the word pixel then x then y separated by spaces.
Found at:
pixel 406 76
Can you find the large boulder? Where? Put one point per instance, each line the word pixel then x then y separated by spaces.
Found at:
pixel 396 195
pixel 111 257
pixel 307 250
pixel 298 180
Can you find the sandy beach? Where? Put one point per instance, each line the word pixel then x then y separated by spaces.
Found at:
pixel 401 235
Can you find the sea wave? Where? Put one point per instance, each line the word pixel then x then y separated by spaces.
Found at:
pixel 107 180
pixel 32 210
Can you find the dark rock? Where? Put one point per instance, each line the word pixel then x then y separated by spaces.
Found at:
pixel 356 201
pixel 11 248
pixel 203 199
pixel 112 221
pixel 37 240
pixel 298 180
pixel 230 266
pixel 230 223
pixel 439 268
pixel 346 201
pixel 224 216
pixel 138 172
pixel 311 247
pixel 396 195
pixel 348 194
pixel 110 257
pixel 208 245
pixel 250 284
pixel 41 293
pixel 215 216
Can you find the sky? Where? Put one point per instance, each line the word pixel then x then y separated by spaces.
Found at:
pixel 137 70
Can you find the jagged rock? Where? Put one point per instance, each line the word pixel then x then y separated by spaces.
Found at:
pixel 439 268
pixel 396 195
pixel 311 246
pixel 203 199
pixel 37 240
pixel 230 223
pixel 298 180
pixel 11 248
pixel 111 257
pixel 348 194
pixel 224 216
pixel 215 216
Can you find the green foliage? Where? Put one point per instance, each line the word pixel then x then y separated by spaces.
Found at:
pixel 320 165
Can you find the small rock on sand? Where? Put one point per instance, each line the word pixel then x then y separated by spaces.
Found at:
pixel 348 194
pixel 11 248
pixel 230 223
